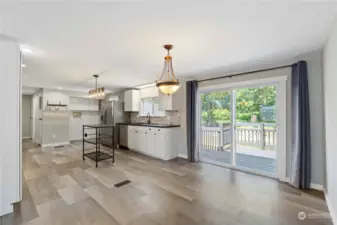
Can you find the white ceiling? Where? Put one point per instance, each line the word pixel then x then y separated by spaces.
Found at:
pixel 72 41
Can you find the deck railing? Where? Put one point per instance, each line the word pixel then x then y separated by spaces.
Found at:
pixel 261 135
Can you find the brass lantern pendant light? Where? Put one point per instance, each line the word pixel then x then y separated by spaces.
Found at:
pixel 97 93
pixel 168 83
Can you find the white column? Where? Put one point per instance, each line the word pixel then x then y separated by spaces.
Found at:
pixel 10 116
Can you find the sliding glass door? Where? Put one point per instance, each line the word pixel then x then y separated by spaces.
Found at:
pixel 255 129
pixel 216 132
pixel 238 128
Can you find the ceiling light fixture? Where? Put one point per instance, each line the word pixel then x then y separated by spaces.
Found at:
pixel 168 83
pixel 97 93
pixel 23 65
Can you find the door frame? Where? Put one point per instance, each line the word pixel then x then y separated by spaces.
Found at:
pixel 281 98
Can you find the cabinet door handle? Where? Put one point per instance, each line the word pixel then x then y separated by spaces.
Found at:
pixel 149 128
pixel 158 129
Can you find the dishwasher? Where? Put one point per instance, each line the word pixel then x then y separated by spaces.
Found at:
pixel 123 136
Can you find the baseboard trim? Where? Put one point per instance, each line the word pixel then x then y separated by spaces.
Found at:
pixel 332 213
pixel 317 187
pixel 80 139
pixel 314 186
pixel 183 156
pixel 55 144
pixel 76 139
pixel 26 138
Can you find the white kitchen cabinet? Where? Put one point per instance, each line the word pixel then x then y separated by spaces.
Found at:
pixel 150 141
pixel 157 142
pixel 137 140
pixel 166 102
pixel 131 100
pixel 160 142
pixel 165 142
pixel 142 141
pixel 146 140
pixel 133 138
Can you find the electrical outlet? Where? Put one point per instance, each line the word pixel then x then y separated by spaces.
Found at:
pixel 54 136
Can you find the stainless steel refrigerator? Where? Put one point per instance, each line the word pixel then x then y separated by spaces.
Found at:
pixel 112 112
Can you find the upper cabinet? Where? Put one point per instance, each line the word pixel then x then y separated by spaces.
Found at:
pixel 83 104
pixel 131 100
pixel 166 102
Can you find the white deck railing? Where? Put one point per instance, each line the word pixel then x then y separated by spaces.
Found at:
pixel 261 135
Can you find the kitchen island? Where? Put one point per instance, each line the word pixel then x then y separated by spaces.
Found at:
pixel 95 135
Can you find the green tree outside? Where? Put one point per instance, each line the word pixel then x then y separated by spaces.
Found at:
pixel 216 105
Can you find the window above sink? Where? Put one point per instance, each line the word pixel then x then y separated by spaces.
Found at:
pixel 151 106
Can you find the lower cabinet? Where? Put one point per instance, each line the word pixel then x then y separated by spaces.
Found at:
pixel 157 142
pixel 142 141
pixel 160 141
pixel 149 139
pixel 133 138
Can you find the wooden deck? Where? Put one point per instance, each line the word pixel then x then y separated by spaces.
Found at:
pixel 247 158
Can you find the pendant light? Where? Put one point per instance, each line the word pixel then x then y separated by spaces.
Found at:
pixel 168 83
pixel 97 93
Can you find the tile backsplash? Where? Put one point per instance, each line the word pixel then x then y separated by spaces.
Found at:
pixel 171 117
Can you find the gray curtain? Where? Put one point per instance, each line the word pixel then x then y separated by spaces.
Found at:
pixel 191 95
pixel 300 155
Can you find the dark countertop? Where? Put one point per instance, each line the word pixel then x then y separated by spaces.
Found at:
pixel 149 125
pixel 98 125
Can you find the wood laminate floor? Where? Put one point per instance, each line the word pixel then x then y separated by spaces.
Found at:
pixel 59 188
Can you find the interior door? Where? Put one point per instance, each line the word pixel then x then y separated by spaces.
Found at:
pixel 38 126
pixel 26 116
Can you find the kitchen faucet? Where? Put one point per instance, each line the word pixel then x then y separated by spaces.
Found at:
pixel 148 118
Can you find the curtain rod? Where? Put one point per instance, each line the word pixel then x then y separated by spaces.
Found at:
pixel 245 73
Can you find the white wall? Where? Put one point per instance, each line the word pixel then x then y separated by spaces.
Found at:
pixel 54 97
pixel 149 92
pixel 75 125
pixel 119 96
pixel 330 95
pixel 10 137
pixel 314 61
